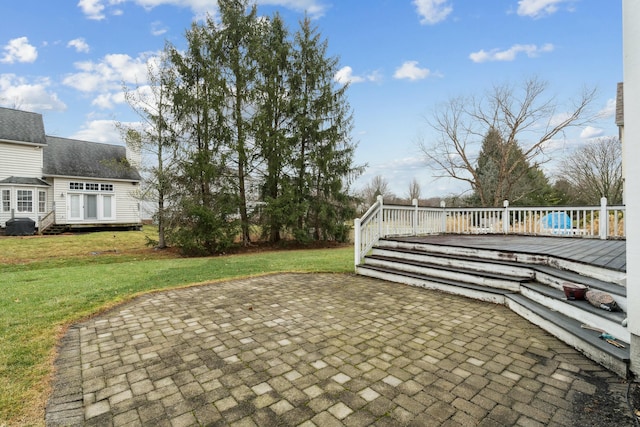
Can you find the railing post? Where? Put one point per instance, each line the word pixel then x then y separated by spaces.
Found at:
pixel 443 217
pixel 505 217
pixel 380 216
pixel 357 241
pixel 414 202
pixel 604 219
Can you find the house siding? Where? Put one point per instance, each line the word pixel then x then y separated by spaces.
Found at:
pixel 126 206
pixel 34 215
pixel 20 160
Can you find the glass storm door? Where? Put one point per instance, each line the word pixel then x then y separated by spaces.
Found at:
pixel 90 206
pixel 75 206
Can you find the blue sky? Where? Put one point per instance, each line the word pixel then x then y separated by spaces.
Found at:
pixel 68 59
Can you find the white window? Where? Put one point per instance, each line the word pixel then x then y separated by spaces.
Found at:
pixel 42 201
pixel 91 187
pixel 106 187
pixel 6 200
pixel 25 200
pixel 76 186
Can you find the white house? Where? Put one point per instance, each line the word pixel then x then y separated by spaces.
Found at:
pixel 63 183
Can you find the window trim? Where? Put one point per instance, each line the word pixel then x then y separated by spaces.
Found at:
pixel 29 202
pixel 42 201
pixel 5 195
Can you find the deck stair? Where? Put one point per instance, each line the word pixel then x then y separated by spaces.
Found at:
pixel 529 284
pixel 55 229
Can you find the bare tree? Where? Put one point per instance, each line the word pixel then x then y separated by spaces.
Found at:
pixel 524 116
pixel 595 171
pixel 378 186
pixel 154 134
pixel 414 190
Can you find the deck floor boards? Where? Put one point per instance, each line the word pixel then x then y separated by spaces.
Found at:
pixel 611 254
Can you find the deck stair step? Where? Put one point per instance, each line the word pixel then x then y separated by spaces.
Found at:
pixel 55 229
pixel 530 285
pixel 571 332
pixel 470 290
pixel 460 274
pixel 581 310
pixel 473 263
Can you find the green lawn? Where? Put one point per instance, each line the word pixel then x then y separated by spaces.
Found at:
pixel 48 283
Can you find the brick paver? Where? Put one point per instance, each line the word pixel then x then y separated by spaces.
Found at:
pixel 320 350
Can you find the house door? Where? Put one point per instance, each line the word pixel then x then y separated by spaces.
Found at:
pixel 90 206
pixel 75 206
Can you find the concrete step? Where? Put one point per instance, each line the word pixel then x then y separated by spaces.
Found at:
pixel 570 331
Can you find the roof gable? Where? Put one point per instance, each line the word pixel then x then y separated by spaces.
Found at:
pixel 21 126
pixel 71 157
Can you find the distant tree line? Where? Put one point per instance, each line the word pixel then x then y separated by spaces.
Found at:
pixel 251 134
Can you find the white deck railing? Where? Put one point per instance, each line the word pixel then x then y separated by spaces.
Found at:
pixel 393 220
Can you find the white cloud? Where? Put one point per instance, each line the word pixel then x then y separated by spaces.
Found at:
pixel 345 75
pixel 157 28
pixel 93 9
pixel 19 50
pixel 96 9
pixel 410 70
pixel 538 8
pixel 106 76
pixel 591 132
pixel 531 50
pixel 79 44
pixel 104 131
pixel 609 110
pixel 18 92
pixel 433 11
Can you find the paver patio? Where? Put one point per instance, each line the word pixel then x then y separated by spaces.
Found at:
pixel 323 350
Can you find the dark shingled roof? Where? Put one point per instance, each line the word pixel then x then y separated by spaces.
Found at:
pixel 70 157
pixel 620 105
pixel 20 180
pixel 21 126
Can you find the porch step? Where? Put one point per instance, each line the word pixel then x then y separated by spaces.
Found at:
pixel 570 331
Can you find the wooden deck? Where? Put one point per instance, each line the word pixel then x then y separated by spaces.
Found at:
pixel 611 254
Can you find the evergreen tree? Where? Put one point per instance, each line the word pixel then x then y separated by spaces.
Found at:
pixel 272 123
pixel 503 173
pixel 201 218
pixel 238 48
pixel 322 148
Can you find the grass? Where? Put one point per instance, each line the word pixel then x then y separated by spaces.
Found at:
pixel 47 283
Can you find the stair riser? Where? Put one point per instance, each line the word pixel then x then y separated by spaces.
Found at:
pixel 426 284
pixel 480 266
pixel 449 275
pixel 576 313
pixel 486 254
pixel 594 353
